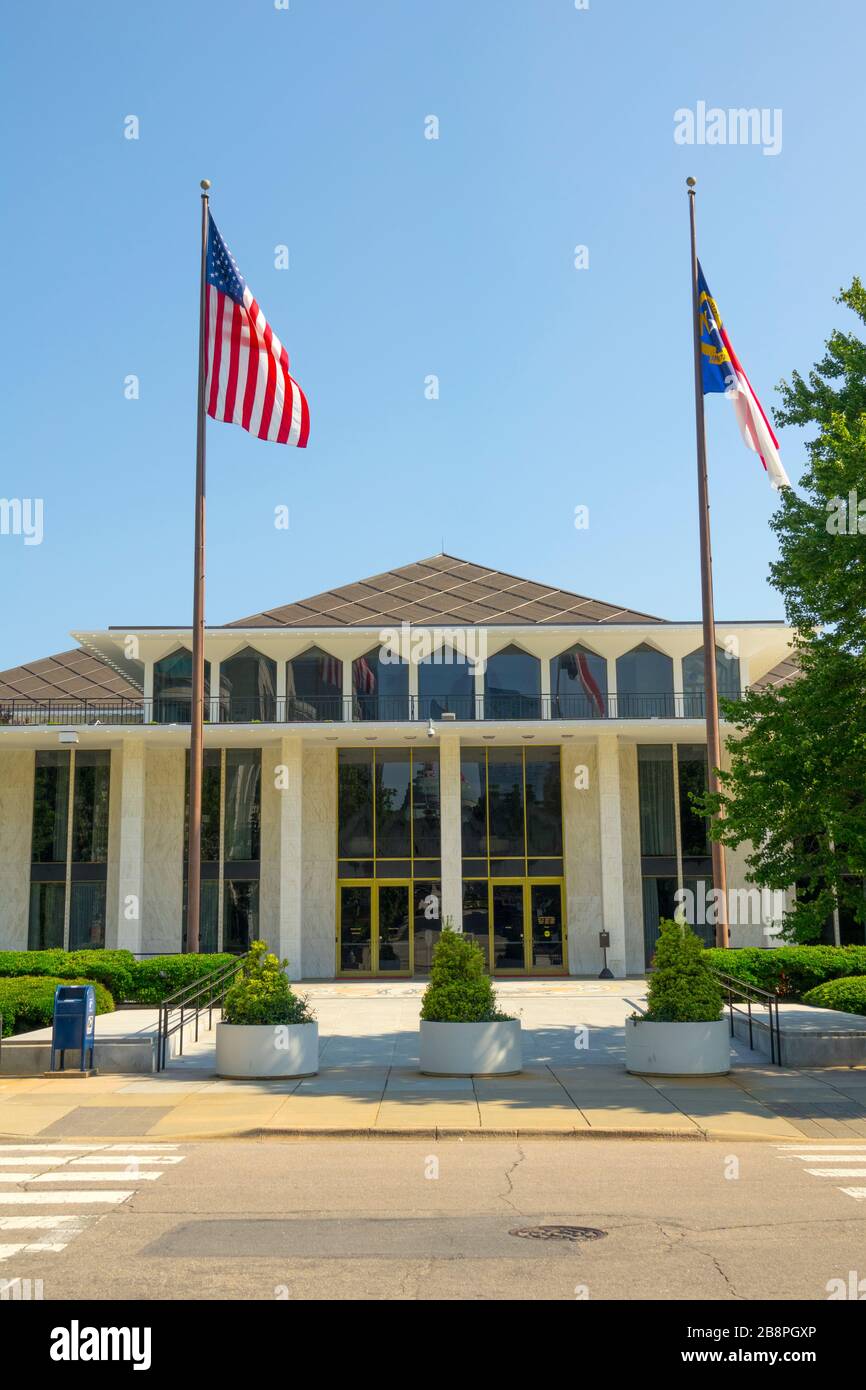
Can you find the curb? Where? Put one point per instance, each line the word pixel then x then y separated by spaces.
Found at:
pixel 261 1134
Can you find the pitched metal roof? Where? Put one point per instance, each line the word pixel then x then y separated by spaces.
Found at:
pixel 786 671
pixel 443 589
pixel 74 675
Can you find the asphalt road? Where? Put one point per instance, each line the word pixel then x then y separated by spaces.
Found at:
pixel 373 1219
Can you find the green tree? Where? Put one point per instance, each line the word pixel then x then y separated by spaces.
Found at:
pixel 796 789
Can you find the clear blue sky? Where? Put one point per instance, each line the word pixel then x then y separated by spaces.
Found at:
pixel 409 257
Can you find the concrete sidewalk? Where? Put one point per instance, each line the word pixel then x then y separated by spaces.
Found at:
pixel 574 1084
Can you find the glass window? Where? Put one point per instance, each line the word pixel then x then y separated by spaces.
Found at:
pixel 446 682
pixel 47 908
pixel 208 916
pixel 512 685
pixel 243 803
pixel 505 801
pixel 656 797
pixel 426 838
pixel 473 801
pixel 476 914
pixel 210 807
pixel 658 903
pixel 543 801
pixel 578 685
pixel 90 808
pixel 380 686
pixel 50 808
pixel 240 913
pixel 645 684
pixel 692 766
pixel 355 803
pixel 393 803
pixel 428 923
pixel 172 687
pixel 705 930
pixel 314 686
pixel 87 916
pixel 727 679
pixel 248 688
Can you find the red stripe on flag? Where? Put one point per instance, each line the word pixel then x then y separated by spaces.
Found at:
pixel 305 421
pixel 288 399
pixel 217 356
pixel 268 403
pixel 252 314
pixel 234 363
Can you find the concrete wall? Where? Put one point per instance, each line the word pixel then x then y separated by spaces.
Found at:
pixel 582 857
pixel 16 823
pixel 632 892
pixel 319 840
pixel 269 882
pixel 162 898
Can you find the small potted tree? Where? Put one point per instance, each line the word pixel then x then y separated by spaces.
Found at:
pixel 267 1030
pixel 462 1031
pixel 682 1032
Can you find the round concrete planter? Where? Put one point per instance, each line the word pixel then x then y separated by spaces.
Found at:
pixel 677 1049
pixel 267 1050
pixel 471 1049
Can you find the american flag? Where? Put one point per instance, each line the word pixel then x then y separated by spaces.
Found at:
pixel 248 381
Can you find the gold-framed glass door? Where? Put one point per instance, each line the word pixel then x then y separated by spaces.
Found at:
pixel 374 928
pixel 527 927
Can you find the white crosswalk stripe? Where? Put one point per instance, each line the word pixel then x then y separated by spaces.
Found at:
pixel 829 1161
pixel 81 1168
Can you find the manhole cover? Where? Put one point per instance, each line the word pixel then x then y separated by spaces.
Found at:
pixel 558 1233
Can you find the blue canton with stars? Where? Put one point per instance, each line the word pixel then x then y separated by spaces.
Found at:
pixel 222 269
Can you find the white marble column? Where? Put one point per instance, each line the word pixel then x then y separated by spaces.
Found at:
pixel 610 825
pixel 449 813
pixel 130 855
pixel 289 786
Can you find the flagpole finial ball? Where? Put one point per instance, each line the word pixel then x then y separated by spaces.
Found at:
pixel 205 183
pixel 690 182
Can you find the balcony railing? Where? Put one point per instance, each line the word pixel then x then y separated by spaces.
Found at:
pixel 388 709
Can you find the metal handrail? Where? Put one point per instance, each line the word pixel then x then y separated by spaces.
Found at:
pixel 336 709
pixel 749 993
pixel 214 986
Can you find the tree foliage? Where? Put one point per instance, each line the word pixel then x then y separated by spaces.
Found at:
pixel 796 789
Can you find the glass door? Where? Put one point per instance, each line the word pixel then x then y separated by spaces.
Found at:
pixel 545 914
pixel 374 935
pixel 355 939
pixel 507 922
pixel 394 929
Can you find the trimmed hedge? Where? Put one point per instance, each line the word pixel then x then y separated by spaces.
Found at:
pixel 155 979
pixel 459 991
pixel 847 994
pixel 789 971
pixel 113 969
pixel 27 1001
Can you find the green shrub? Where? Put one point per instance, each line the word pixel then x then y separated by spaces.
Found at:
pixel 261 993
pixel 155 979
pixel 27 1001
pixel 847 994
pixel 459 991
pixel 789 971
pixel 682 987
pixel 113 969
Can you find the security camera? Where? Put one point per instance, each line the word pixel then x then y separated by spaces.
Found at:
pixel 431 732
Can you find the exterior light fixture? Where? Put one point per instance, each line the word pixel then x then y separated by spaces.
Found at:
pixel 67 736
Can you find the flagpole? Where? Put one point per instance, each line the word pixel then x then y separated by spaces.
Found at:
pixel 711 693
pixel 196 735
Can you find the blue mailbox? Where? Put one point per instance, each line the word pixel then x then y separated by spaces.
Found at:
pixel 74 1023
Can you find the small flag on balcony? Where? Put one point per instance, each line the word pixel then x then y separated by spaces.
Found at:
pixel 248 381
pixel 722 370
